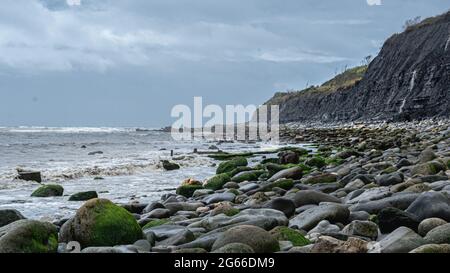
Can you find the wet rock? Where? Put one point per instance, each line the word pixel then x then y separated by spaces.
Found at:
pixel 324 227
pixel 308 197
pixel 232 164
pixel 402 240
pixel 29 176
pixel 48 191
pixel 8 216
pixel 295 237
pixel 99 222
pixel 430 205
pixel 170 166
pixel 235 248
pixel 217 182
pixel 219 197
pixel 429 168
pixel 282 204
pixel 291 173
pixel 257 238
pixel 428 224
pixel 321 179
pixel 95 153
pixel 365 229
pixel 433 248
pixel 402 201
pixel 439 235
pixel 182 237
pixel 326 244
pixel 288 157
pixel 28 236
pixel 390 179
pixel 389 219
pixel 83 196
pixel 326 211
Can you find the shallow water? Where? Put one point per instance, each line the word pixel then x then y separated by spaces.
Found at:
pixel 130 165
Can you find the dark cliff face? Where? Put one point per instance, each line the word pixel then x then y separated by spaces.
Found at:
pixel 409 79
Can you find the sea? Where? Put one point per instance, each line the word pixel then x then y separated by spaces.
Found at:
pixel 129 165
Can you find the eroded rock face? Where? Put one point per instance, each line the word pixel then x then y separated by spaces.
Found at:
pixel 395 85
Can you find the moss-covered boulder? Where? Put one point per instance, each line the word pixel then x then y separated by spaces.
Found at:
pixel 188 190
pixel 288 234
pixel 316 161
pixel 99 222
pixel 321 179
pixel 28 236
pixel 285 184
pixel 257 238
pixel 247 176
pixel 83 196
pixel 232 164
pixel 48 191
pixel 155 223
pixel 216 182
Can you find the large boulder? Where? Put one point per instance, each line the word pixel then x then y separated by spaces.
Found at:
pixel 312 197
pixel 326 211
pixel 439 235
pixel 429 224
pixel 284 205
pixel 30 176
pixel 247 176
pixel 99 222
pixel 170 166
pixel 402 240
pixel 232 164
pixel 401 201
pixel 430 205
pixel 291 173
pixel 7 216
pixel 389 219
pixel 217 182
pixel 28 236
pixel 188 190
pixel 48 191
pixel 83 196
pixel 257 238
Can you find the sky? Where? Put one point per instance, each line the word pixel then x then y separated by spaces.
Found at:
pixel 127 63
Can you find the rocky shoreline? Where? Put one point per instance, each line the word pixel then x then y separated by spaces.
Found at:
pixel 365 188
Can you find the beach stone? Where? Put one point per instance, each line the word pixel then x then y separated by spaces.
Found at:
pixel 257 199
pixel 188 190
pixel 30 176
pixel 217 182
pixel 219 197
pixel 83 196
pixel 291 173
pixel 402 240
pixel 246 176
pixel 202 192
pixel 248 187
pixel 295 237
pixel 431 205
pixel 231 185
pixel 389 219
pixel 8 216
pixel 284 205
pixel 358 215
pixel 48 191
pixel 190 251
pixel 362 228
pixel 428 224
pixel 143 245
pixel 371 194
pixel 158 214
pixel 433 248
pixel 429 168
pixel 439 235
pixel 401 201
pixel 327 244
pixel 232 164
pixel 152 206
pixel 323 227
pixel 164 231
pixel 235 248
pixel 418 188
pixel 311 197
pixel 390 179
pixel 347 153
pixel 257 238
pixel 174 207
pixel 321 179
pixel 288 157
pixel 170 166
pixel 403 163
pixel 426 156
pixel 99 222
pixel 28 236
pixel 325 211
pixel 182 237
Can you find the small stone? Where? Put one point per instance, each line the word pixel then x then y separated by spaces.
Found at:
pixel 428 224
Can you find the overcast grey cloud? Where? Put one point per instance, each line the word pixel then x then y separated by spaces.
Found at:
pixel 126 63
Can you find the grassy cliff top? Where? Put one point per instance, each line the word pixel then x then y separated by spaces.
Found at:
pixel 344 80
